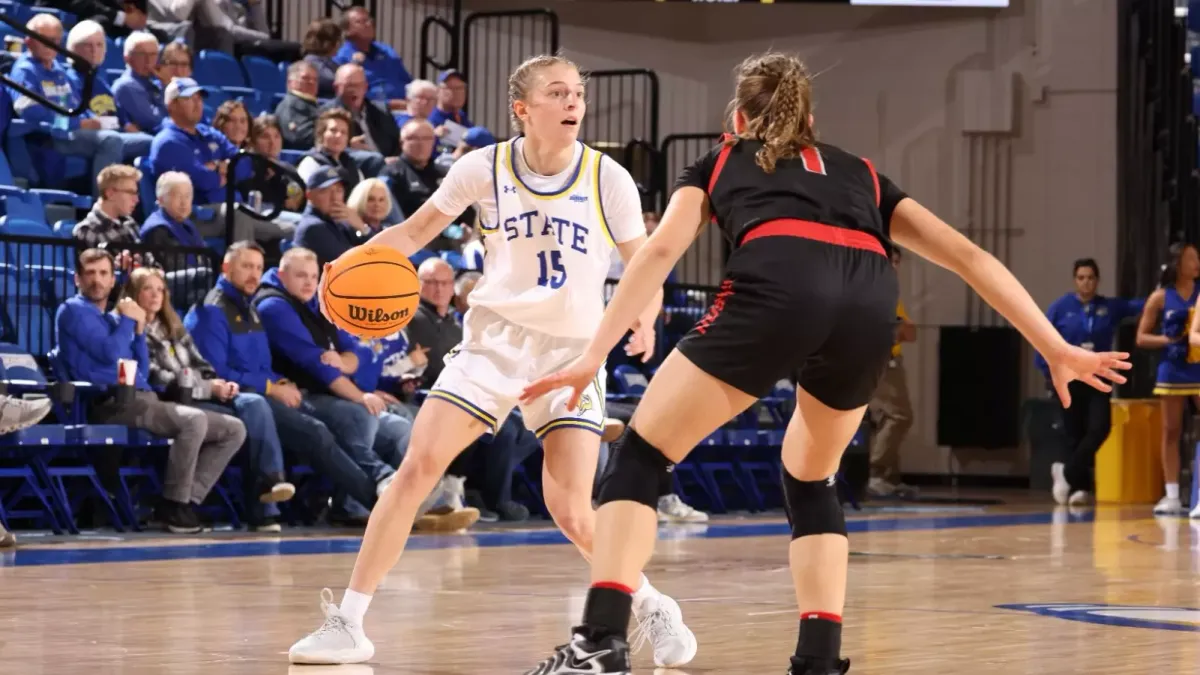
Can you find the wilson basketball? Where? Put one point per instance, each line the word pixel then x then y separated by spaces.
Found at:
pixel 370 291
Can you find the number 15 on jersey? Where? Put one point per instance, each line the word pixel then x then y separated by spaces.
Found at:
pixel 550 269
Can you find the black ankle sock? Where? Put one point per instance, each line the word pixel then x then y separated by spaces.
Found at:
pixel 607 611
pixel 820 636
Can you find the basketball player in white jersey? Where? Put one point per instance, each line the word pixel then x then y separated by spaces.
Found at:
pixel 552 209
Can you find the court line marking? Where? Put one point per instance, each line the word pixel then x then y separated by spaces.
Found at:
pixel 23 557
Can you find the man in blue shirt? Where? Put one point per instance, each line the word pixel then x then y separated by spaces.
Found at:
pixel 79 136
pixel 386 75
pixel 228 332
pixel 452 101
pixel 90 345
pixel 327 227
pixel 1089 320
pixel 203 153
pixel 138 93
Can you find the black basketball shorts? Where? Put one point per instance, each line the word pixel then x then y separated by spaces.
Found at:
pixel 803 302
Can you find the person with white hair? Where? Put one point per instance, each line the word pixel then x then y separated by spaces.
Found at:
pixel 138 93
pixel 422 97
pixel 170 225
pixel 87 39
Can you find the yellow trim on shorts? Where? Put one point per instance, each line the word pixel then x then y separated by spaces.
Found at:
pixel 569 423
pixel 1170 389
pixel 465 405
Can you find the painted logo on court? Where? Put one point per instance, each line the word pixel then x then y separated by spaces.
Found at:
pixel 1128 616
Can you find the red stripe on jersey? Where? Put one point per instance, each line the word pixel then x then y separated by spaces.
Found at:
pixel 874 177
pixel 813 161
pixel 722 157
pixel 805 229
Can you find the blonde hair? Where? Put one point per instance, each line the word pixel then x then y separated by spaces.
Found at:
pixel 112 174
pixel 357 201
pixel 138 279
pixel 774 93
pixel 296 254
pixel 521 81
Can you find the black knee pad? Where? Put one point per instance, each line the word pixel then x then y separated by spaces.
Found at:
pixel 813 506
pixel 636 472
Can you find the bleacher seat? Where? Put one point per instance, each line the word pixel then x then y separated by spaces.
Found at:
pixel 217 69
pixel 630 380
pixel 266 77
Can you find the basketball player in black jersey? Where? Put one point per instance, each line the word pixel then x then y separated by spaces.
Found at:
pixel 808 288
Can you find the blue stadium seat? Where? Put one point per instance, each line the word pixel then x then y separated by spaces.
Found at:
pixel 217 69
pixel 630 380
pixel 421 256
pixel 454 258
pixel 292 157
pixel 266 77
pixel 64 229
pixel 114 55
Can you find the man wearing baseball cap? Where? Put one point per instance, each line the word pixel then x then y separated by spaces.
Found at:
pixel 327 227
pixel 452 99
pixel 473 139
pixel 186 145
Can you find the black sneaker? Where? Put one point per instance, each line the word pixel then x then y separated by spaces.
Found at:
pixel 818 666
pixel 177 518
pixel 609 656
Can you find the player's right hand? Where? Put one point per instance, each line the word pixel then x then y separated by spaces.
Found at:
pixel 1077 363
pixel 576 377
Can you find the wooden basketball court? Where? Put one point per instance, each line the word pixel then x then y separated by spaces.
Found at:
pixel 939 589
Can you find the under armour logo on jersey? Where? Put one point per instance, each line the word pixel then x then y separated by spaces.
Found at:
pixel 510 189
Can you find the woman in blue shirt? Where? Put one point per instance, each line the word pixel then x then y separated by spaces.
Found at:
pixel 1179 371
pixel 1088 320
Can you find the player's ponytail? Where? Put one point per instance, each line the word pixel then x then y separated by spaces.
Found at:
pixel 774 93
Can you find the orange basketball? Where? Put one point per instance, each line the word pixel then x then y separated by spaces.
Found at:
pixel 370 291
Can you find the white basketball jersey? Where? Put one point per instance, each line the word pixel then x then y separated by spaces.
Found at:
pixel 548 253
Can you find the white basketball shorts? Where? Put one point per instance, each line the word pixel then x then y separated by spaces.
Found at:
pixel 485 374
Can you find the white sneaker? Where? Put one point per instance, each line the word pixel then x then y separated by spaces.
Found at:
pixel 18 413
pixel 1195 514
pixel 1167 506
pixel 1080 498
pixel 1061 489
pixel 383 484
pixel 338 640
pixel 660 621
pixel 672 509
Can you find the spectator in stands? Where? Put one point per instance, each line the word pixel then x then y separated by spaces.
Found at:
pixel 321 44
pixel 332 138
pixel 328 228
pixel 175 61
pixel 422 97
pixel 309 350
pixel 452 102
pixel 233 119
pixel 891 413
pixel 229 334
pixel 40 71
pixel 435 327
pixel 170 225
pixel 372 203
pixel 203 153
pixel 473 139
pixel 91 342
pixel 87 40
pixel 138 92
pixel 234 28
pixel 267 140
pixel 372 130
pixel 386 75
pixel 172 353
pixel 415 176
pixel 110 224
pixel 120 17
pixel 298 110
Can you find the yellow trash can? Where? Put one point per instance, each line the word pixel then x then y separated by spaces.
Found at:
pixel 1129 464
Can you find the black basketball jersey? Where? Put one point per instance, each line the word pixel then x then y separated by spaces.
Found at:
pixel 825 185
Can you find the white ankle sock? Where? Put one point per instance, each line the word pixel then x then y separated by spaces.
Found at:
pixel 1172 490
pixel 354 605
pixel 644 592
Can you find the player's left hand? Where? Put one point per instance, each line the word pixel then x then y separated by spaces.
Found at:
pixel 1077 363
pixel 577 376
pixel 641 342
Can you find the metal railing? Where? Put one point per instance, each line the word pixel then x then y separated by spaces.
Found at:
pixel 683 305
pixel 493 45
pixel 703 262
pixel 87 73
pixel 261 165
pixel 622 105
pixel 37 274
